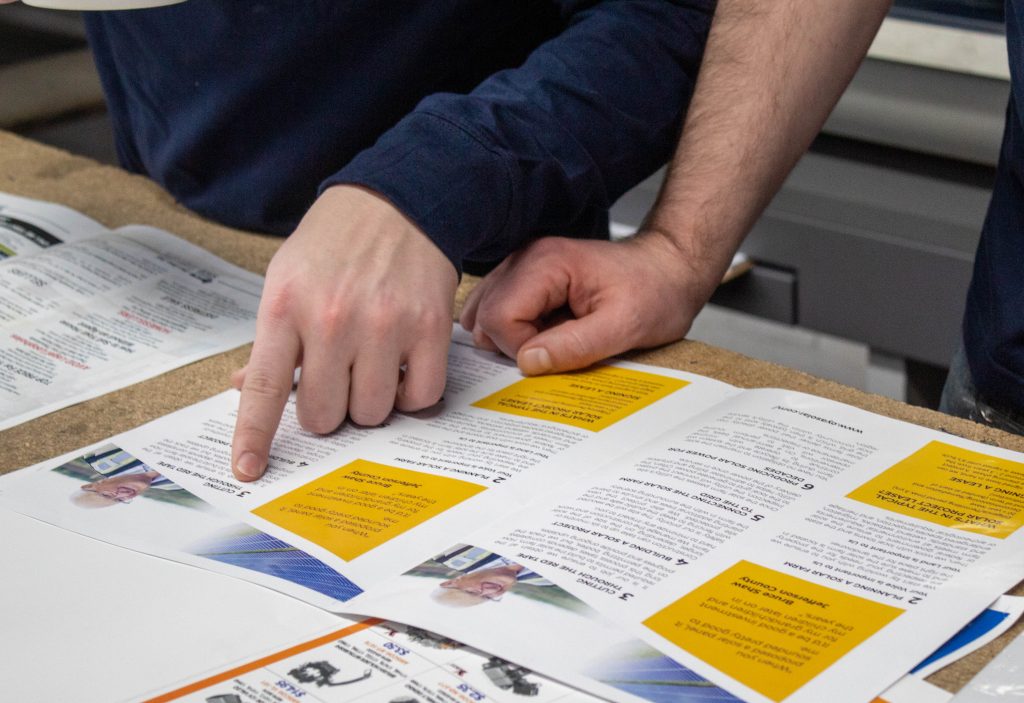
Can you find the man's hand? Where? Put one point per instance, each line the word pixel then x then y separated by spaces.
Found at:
pixel 562 304
pixel 355 293
pixel 771 73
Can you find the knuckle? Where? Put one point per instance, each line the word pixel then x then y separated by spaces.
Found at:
pixel 432 318
pixel 276 304
pixel 369 416
pixel 333 317
pixel 492 316
pixel 579 346
pixel 318 422
pixel 317 413
pixel 418 398
pixel 380 323
pixel 260 383
pixel 249 434
pixel 433 325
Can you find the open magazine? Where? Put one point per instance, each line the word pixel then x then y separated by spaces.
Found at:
pixel 607 528
pixel 85 310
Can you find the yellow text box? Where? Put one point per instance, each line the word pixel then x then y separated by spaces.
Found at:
pixel 953 487
pixel 592 399
pixel 770 631
pixel 363 504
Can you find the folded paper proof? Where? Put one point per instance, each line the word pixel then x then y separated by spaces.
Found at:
pixel 627 530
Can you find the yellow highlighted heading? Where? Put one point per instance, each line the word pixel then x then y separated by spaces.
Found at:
pixel 770 631
pixel 952 487
pixel 592 400
pixel 363 505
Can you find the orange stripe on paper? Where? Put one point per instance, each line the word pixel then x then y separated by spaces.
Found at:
pixel 259 663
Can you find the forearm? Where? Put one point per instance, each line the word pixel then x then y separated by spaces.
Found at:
pixel 546 147
pixel 772 72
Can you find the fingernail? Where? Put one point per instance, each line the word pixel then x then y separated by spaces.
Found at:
pixel 249 465
pixel 536 360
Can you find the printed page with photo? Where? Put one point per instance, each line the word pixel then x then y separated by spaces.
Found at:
pixel 29 226
pixel 366 502
pixel 107 494
pixel 593 525
pixel 369 500
pixel 783 546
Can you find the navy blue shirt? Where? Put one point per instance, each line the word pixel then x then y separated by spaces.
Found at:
pixel 487 122
pixel 994 318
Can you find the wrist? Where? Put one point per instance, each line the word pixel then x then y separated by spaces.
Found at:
pixel 374 211
pixel 685 254
pixel 441 177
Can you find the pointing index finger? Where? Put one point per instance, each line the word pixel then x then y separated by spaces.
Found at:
pixel 265 390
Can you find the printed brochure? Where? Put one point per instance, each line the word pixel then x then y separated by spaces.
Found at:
pixel 626 530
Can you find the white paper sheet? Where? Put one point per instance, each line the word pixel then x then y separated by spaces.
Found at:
pixel 85 310
pixel 777 545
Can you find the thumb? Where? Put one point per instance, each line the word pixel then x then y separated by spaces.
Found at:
pixel 573 344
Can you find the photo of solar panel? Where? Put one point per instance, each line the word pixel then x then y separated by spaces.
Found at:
pixel 251 549
pixel 661 680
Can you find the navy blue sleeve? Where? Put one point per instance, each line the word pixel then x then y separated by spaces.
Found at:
pixel 547 147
